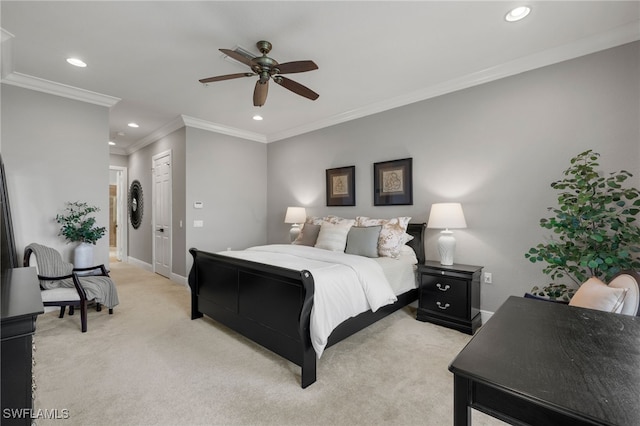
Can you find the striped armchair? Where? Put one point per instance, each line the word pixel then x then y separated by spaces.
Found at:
pixel 63 285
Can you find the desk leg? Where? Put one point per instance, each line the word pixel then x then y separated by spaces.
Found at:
pixel 461 401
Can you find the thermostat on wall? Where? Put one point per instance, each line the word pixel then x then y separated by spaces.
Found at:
pixel 198 205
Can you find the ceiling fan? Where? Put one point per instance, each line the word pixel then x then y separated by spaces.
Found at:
pixel 267 68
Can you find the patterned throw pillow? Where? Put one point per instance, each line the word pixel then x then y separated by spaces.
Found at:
pixel 392 234
pixel 336 220
pixel 314 220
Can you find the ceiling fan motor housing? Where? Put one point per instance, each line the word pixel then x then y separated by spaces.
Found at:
pixel 264 46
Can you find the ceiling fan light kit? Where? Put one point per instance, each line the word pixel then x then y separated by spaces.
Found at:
pixel 266 69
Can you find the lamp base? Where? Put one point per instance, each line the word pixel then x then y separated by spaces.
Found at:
pixel 294 232
pixel 446 247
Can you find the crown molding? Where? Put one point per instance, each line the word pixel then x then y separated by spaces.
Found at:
pixel 618 36
pixel 6 53
pixel 117 150
pixel 225 130
pixel 185 120
pixel 59 89
pixel 5 35
pixel 157 134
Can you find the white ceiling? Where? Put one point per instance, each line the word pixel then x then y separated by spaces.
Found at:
pixel 145 58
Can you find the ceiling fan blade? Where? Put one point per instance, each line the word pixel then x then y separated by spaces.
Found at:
pixel 296 87
pixel 238 57
pixel 225 77
pixel 260 93
pixel 296 66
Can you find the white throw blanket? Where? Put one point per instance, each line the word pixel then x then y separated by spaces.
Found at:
pixel 345 285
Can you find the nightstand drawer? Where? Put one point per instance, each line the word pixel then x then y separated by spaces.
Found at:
pixel 444 288
pixel 442 304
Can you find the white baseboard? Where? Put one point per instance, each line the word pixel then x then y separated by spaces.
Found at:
pixel 149 267
pixel 486 315
pixel 180 279
pixel 140 264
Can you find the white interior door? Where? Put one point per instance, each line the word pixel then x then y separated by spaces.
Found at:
pixel 162 213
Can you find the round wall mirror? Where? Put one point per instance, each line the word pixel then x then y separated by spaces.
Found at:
pixel 135 204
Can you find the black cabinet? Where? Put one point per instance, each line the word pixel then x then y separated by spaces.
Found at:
pixel 21 304
pixel 450 295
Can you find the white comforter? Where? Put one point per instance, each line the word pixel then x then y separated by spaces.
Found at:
pixel 345 285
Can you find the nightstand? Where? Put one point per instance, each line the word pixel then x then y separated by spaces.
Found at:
pixel 450 295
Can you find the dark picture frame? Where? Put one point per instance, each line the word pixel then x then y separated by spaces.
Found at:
pixel 341 186
pixel 393 182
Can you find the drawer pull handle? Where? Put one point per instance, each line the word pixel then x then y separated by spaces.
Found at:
pixel 446 305
pixel 441 288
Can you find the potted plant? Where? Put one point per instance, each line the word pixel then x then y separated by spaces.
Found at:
pixel 595 228
pixel 79 226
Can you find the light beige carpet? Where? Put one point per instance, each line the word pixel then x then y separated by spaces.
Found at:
pixel 150 364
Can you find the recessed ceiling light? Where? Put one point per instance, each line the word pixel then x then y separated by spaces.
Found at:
pixel 257 117
pixel 134 125
pixel 517 14
pixel 76 62
pixel 112 143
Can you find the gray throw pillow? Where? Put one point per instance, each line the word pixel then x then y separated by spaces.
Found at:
pixel 363 240
pixel 308 235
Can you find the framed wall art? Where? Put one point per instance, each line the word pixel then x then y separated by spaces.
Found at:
pixel 393 183
pixel 341 186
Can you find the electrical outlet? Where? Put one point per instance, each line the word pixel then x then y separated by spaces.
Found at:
pixel 488 278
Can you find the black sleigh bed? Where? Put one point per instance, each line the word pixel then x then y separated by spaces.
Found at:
pixel 272 305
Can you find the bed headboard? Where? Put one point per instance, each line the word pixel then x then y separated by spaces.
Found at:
pixel 416 230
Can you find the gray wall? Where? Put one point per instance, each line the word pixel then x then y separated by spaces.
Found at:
pixel 118 160
pixel 495 148
pixel 228 175
pixel 140 164
pixel 55 150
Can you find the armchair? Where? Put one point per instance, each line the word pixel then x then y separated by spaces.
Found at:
pixel 63 285
pixel 621 295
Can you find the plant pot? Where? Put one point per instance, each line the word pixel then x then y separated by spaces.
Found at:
pixel 83 256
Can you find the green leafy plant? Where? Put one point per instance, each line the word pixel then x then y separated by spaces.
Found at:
pixel 77 226
pixel 595 227
pixel 554 291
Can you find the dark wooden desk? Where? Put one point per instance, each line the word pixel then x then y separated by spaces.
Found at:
pixel 20 304
pixel 542 363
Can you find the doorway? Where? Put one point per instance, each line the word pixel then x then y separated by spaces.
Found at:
pixel 162 229
pixel 117 213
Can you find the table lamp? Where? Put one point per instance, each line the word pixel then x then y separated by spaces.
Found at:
pixel 446 216
pixel 295 215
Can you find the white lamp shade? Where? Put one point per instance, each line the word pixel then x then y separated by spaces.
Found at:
pixel 295 215
pixel 446 216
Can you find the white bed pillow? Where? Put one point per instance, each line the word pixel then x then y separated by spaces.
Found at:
pixel 332 236
pixel 409 254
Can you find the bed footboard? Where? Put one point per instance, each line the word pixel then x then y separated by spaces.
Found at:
pixel 267 304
